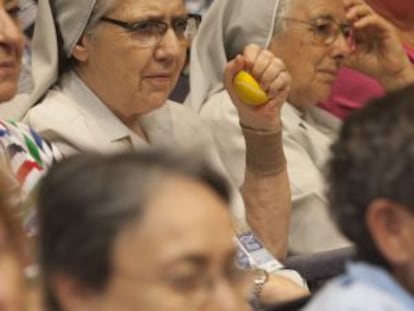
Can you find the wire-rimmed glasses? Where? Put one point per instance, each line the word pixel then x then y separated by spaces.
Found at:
pixel 325 30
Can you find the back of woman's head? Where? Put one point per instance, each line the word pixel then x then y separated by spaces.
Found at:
pixel 373 158
pixel 86 201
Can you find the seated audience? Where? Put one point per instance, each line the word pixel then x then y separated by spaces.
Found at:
pixel 312 38
pixel 353 89
pixel 372 201
pixel 103 74
pixel 143 231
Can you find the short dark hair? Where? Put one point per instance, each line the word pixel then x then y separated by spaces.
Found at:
pixel 85 202
pixel 372 158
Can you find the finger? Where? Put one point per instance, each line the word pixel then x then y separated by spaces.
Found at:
pixel 282 83
pixel 371 21
pixel 262 62
pixel 250 53
pixel 231 69
pixel 271 73
pixel 350 3
pixel 358 12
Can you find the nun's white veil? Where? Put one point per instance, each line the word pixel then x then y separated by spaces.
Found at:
pixel 227 27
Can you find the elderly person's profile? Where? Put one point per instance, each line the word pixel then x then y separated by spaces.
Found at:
pixel 353 89
pixel 142 230
pixel 372 202
pixel 314 38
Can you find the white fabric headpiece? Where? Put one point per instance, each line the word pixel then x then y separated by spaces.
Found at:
pixel 66 19
pixel 227 27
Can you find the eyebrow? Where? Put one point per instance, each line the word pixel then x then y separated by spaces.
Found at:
pixel 198 260
pixel 158 18
pixel 201 260
pixel 326 16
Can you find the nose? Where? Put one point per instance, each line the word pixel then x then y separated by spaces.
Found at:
pixel 11 36
pixel 170 46
pixel 340 47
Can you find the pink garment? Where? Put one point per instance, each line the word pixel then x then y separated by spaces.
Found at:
pixel 398 9
pixel 352 90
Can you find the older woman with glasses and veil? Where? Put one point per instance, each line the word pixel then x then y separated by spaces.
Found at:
pixel 313 39
pixel 103 71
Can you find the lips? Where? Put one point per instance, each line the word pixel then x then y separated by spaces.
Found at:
pixel 332 72
pixel 158 76
pixel 8 67
pixel 328 75
pixel 159 79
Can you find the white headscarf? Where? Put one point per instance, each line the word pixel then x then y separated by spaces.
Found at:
pixel 227 27
pixel 71 18
pixel 65 17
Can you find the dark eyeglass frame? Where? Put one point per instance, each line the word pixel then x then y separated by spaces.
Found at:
pixel 162 26
pixel 341 28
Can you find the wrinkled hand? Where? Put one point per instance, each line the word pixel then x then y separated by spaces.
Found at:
pixel 271 74
pixel 280 289
pixel 376 48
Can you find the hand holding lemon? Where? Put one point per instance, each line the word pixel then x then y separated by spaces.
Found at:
pixel 258 85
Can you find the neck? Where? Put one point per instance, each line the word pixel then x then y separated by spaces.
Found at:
pixel 133 124
pixel 405 278
pixel 130 120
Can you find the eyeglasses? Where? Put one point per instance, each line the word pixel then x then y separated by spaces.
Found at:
pixel 325 30
pixel 149 33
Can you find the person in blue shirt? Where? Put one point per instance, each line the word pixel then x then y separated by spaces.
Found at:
pixel 372 201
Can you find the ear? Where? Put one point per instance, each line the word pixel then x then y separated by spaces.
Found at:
pixel 80 51
pixel 72 295
pixel 390 225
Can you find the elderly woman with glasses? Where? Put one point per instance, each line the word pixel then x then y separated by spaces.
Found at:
pixel 103 71
pixel 313 38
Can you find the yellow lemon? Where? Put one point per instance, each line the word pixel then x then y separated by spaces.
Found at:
pixel 248 90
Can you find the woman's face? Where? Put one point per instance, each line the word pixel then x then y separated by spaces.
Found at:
pixel 312 64
pixel 131 79
pixel 11 277
pixel 11 48
pixel 179 256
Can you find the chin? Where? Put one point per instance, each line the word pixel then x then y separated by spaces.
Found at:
pixel 7 91
pixel 323 94
pixel 156 101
